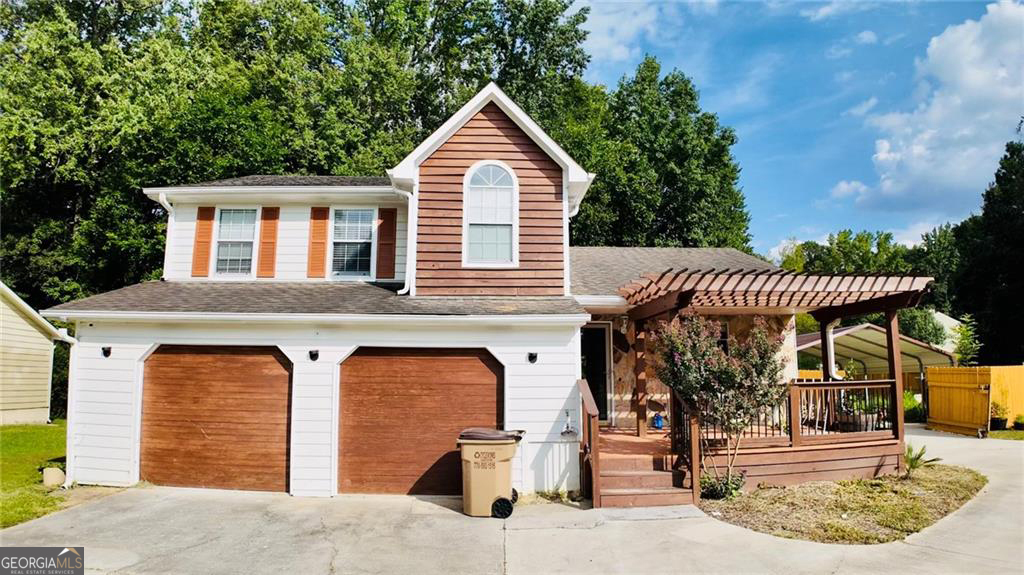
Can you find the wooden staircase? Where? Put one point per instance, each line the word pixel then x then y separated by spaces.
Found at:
pixel 630 480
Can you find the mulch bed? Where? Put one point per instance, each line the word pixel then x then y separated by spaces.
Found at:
pixel 860 511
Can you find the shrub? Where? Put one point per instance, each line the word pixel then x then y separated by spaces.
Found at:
pixel 915 461
pixel 1019 419
pixel 913 410
pixel 998 411
pixel 723 487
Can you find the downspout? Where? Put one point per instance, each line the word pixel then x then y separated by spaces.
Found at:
pixel 69 456
pixel 162 200
pixel 412 200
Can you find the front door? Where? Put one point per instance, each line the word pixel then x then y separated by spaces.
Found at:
pixel 594 353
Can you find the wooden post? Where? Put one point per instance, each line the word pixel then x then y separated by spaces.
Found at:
pixel 828 351
pixel 640 380
pixel 694 424
pixel 892 341
pixel 795 422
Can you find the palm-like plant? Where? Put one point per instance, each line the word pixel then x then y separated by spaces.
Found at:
pixel 915 461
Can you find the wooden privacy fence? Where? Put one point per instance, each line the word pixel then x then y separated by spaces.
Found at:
pixel 959 398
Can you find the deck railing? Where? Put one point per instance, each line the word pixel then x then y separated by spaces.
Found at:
pixel 590 456
pixel 824 412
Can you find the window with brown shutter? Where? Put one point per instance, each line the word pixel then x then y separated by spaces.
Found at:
pixel 203 241
pixel 387 231
pixel 316 267
pixel 268 242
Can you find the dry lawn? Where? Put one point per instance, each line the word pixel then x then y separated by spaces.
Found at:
pixel 860 511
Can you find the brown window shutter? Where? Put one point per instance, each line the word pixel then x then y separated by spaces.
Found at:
pixel 387 231
pixel 317 242
pixel 203 242
pixel 268 242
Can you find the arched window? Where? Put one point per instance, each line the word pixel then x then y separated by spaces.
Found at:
pixel 490 216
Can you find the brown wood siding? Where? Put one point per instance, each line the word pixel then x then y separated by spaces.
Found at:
pixel 490 135
pixel 387 234
pixel 316 267
pixel 788 466
pixel 216 417
pixel 203 242
pixel 268 242
pixel 402 411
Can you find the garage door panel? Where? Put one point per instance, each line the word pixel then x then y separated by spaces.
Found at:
pixel 216 417
pixel 430 395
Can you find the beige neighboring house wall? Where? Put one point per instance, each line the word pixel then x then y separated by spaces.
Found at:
pixel 26 361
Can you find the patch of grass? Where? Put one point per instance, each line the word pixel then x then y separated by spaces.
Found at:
pixel 24 449
pixel 861 511
pixel 1007 434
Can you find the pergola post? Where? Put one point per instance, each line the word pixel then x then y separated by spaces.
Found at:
pixel 892 340
pixel 640 379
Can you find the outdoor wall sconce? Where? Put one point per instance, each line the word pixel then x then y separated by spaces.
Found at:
pixel 531 357
pixel 314 354
pixel 106 351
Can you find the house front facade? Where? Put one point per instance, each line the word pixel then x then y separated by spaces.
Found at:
pixel 320 335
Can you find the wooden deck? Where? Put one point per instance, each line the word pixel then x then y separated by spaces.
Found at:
pixel 640 471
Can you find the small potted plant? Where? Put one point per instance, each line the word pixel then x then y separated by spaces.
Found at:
pixel 1018 422
pixel 997 413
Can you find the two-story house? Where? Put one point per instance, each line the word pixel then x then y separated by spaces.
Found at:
pixel 327 334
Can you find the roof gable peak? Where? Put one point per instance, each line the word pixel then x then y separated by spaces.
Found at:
pixel 404 175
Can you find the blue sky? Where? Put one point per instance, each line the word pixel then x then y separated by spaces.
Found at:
pixel 879 116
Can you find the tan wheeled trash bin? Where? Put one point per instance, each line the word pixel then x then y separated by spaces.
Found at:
pixel 487 471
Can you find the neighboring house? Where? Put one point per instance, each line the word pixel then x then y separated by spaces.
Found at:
pixel 26 361
pixel 949 324
pixel 325 334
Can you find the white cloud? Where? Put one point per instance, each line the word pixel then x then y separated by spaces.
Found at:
pixel 866 37
pixel 833 9
pixel 848 188
pixel 941 154
pixel 862 108
pixel 837 51
pixel 911 235
pixel 752 90
pixel 843 77
pixel 615 29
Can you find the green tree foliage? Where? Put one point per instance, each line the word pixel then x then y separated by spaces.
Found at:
pixel 850 253
pixel 677 182
pixel 916 322
pixel 937 256
pixel 990 280
pixel 98 99
pixel 967 344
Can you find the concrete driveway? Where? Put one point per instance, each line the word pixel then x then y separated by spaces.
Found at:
pixel 167 530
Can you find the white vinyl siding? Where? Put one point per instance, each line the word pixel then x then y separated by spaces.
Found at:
pixel 292 242
pixel 537 395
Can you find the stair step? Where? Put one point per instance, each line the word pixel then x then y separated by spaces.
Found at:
pixel 611 479
pixel 645 497
pixel 618 462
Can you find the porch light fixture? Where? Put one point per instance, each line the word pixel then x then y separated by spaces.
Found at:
pixel 106 351
pixel 531 357
pixel 314 354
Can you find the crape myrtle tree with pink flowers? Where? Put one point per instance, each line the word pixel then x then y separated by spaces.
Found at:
pixel 729 386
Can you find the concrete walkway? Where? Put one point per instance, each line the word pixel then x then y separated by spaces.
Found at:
pixel 166 530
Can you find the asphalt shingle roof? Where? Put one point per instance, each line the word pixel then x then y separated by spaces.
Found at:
pixel 270 180
pixel 603 270
pixel 304 298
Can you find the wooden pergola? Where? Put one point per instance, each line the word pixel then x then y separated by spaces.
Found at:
pixel 828 298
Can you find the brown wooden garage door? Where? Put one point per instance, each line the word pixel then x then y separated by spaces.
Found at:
pixel 403 409
pixel 216 417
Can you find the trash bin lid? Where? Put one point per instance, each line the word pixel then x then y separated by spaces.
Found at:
pixel 488 434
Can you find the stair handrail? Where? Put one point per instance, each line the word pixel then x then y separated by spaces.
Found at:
pixel 590 468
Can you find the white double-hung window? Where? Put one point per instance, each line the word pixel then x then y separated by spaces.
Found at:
pixel 352 247
pixel 491 216
pixel 236 231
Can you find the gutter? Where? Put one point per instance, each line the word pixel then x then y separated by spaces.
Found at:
pixel 291 318
pixel 410 237
pixel 69 456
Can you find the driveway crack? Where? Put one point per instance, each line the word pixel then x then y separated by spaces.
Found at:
pixel 326 533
